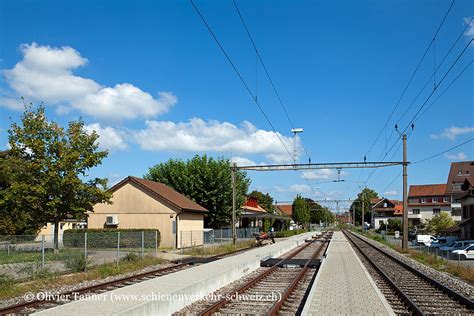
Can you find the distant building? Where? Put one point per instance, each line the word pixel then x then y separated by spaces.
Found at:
pixel 145 204
pixel 344 218
pixel 48 230
pixel 384 209
pixel 253 216
pixel 427 201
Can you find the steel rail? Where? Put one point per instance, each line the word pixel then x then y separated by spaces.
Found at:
pixel 409 302
pixel 278 304
pixel 450 292
pixel 221 303
pixel 17 308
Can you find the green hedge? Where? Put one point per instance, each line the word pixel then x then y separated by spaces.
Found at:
pixel 107 238
pixel 288 233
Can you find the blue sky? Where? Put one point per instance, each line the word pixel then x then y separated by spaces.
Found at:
pixel 149 78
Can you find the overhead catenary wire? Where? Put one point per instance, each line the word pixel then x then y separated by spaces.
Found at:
pixel 411 79
pixel 257 53
pixel 254 97
pixel 460 35
pixel 424 103
pixel 429 158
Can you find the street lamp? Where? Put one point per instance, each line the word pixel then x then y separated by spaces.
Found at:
pixel 295 131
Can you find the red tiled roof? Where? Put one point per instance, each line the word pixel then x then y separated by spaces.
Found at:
pixel 251 204
pixel 286 209
pixel 427 190
pixel 166 193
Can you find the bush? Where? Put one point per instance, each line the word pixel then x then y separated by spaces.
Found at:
pixel 77 263
pixel 107 238
pixel 130 257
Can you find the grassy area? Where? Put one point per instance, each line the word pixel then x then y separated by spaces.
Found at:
pixel 26 256
pixel 46 280
pixel 217 250
pixel 431 260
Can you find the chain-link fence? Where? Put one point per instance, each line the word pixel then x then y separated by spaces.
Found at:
pixel 24 256
pixel 213 237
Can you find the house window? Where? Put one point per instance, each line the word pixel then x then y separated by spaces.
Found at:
pixel 385 205
pixel 423 200
pixel 416 212
pixel 436 211
pixel 434 200
pixel 446 199
pixel 459 173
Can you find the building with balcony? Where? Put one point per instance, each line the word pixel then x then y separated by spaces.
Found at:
pixel 384 209
pixel 460 186
pixel 426 201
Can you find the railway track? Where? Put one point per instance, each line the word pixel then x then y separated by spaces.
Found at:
pixel 67 296
pixel 408 290
pixel 279 289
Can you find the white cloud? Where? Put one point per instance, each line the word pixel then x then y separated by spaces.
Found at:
pixel 11 103
pixel 452 132
pixel 319 174
pixel 242 161
pixel 458 156
pixel 46 74
pixel 198 135
pixel 295 188
pixel 470 29
pixel 109 138
pixel 390 193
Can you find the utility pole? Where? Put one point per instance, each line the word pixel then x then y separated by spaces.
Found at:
pixel 405 197
pixel 363 205
pixel 234 197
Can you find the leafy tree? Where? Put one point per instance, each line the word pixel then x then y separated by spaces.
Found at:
pixel 301 213
pixel 47 170
pixel 265 200
pixel 12 222
pixel 205 180
pixel 439 223
pixel 318 213
pixel 365 195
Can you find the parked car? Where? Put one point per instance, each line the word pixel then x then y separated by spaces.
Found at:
pixel 456 245
pixel 442 241
pixel 425 240
pixel 466 253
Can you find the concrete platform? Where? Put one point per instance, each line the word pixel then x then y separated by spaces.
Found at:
pixel 343 286
pixel 170 293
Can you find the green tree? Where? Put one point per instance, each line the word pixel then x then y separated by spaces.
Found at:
pixel 439 223
pixel 301 213
pixel 366 195
pixel 48 168
pixel 12 221
pixel 205 180
pixel 265 200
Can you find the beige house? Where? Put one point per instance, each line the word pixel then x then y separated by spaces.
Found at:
pixel 139 203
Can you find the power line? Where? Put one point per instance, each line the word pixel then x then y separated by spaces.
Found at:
pixel 266 71
pixel 240 76
pixel 432 76
pixel 411 78
pixel 443 152
pixel 429 158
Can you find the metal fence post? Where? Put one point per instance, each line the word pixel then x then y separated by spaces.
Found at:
pixel 85 251
pixel 118 247
pixel 156 243
pixel 181 241
pixel 143 244
pixel 42 252
pixel 458 258
pixel 192 244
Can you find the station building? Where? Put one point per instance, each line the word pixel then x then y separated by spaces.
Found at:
pixel 145 204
